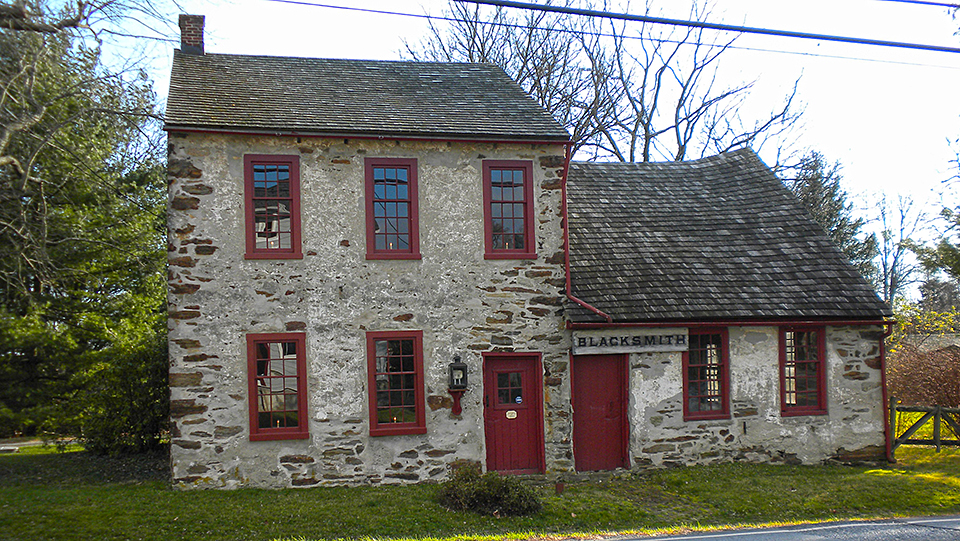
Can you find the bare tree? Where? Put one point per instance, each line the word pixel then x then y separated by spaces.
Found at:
pixel 900 222
pixel 69 126
pixel 627 91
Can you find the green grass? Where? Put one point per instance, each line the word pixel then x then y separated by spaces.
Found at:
pixel 75 495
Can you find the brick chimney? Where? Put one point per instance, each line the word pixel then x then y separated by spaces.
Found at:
pixel 191 34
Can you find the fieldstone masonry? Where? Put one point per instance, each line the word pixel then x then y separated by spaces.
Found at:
pixel 756 432
pixel 462 303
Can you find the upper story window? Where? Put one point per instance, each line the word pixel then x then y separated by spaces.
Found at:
pixel 508 210
pixel 395 379
pixel 272 202
pixel 392 210
pixel 706 375
pixel 276 374
pixel 803 371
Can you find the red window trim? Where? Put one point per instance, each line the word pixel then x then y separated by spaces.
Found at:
pixel 724 412
pixel 295 250
pixel 269 434
pixel 395 429
pixel 414 250
pixel 529 229
pixel 787 410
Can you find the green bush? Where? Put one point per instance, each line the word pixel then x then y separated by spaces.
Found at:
pixel 124 402
pixel 488 494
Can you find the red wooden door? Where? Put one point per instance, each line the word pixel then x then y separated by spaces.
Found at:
pixel 513 412
pixel 600 412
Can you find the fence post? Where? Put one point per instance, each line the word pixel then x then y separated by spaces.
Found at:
pixel 936 426
pixel 892 432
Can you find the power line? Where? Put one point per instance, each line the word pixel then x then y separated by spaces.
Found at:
pixel 924 3
pixel 602 34
pixel 713 26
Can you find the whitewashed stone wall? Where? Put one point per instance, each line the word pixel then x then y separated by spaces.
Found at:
pixel 756 432
pixel 462 303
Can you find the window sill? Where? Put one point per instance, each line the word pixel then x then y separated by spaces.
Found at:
pixel 273 436
pixel 397 430
pixel 510 255
pixel 801 413
pixel 280 255
pixel 395 256
pixel 707 416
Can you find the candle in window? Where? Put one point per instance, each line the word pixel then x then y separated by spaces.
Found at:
pixel 278 423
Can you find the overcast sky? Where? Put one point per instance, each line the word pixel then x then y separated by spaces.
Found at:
pixel 886 114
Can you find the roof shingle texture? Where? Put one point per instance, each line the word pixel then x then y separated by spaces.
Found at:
pixel 714 239
pixel 353 97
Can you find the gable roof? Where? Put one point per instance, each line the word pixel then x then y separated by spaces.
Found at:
pixel 353 97
pixel 714 239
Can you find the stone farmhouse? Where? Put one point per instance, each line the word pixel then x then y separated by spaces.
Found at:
pixel 380 269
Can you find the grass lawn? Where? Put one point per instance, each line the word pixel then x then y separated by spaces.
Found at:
pixel 74 495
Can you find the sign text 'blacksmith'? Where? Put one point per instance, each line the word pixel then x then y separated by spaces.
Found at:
pixel 600 341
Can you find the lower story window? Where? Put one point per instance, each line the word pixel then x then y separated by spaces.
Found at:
pixel 395 374
pixel 802 371
pixel 706 378
pixel 276 370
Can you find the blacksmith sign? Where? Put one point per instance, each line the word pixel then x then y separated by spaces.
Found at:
pixel 629 340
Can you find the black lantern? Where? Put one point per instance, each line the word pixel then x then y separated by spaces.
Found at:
pixel 458 374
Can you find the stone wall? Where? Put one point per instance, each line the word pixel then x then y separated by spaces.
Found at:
pixel 756 432
pixel 461 302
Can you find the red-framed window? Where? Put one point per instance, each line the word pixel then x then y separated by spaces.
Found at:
pixel 508 210
pixel 276 372
pixel 395 382
pixel 272 206
pixel 803 356
pixel 706 375
pixel 392 208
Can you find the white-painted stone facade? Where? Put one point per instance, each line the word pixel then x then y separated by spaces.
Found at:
pixel 462 303
pixel 852 429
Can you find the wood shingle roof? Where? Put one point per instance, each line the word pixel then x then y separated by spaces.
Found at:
pixel 714 239
pixel 353 98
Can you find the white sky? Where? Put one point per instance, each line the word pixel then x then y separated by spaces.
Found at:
pixel 888 120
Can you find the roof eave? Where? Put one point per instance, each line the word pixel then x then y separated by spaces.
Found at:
pixel 354 134
pixel 878 320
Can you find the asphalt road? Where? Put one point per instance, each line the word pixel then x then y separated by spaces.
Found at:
pixel 945 528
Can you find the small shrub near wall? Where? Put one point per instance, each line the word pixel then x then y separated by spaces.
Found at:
pixel 925 379
pixel 488 494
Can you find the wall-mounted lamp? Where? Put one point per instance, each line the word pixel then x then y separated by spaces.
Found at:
pixel 457 383
pixel 458 374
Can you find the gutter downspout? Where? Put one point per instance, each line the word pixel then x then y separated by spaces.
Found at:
pixel 566 238
pixel 887 439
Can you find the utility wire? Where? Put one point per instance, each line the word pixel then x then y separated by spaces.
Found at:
pixel 602 34
pixel 923 3
pixel 713 26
